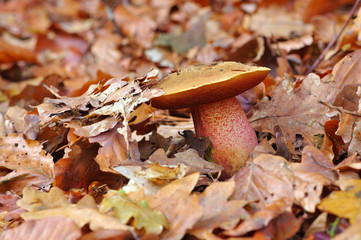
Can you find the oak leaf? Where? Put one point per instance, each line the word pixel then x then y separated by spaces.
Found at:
pixel 42 205
pixel 57 228
pixel 139 213
pixel 294 116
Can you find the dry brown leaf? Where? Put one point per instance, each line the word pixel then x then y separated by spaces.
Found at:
pixel 29 162
pixel 10 52
pixel 135 24
pixel 116 98
pixel 8 204
pixel 292 115
pixel 17 153
pixel 280 25
pixel 306 9
pixel 264 184
pixel 159 170
pixel 318 225
pixel 294 44
pixel 314 161
pixel 347 99
pixel 57 228
pixel 190 158
pixel 352 162
pixel 17 180
pixel 114 149
pixel 346 71
pixel 35 200
pixel 220 212
pixel 261 218
pixel 43 205
pixel 271 178
pixel 77 169
pixel 181 209
pixel 109 234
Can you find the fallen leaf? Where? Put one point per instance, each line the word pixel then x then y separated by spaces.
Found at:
pixel 262 184
pixel 8 205
pixel 135 24
pixel 180 207
pixel 114 149
pixel 57 228
pixel 77 169
pixel 261 218
pixel 345 203
pixel 284 226
pixel 17 153
pixel 294 117
pixel 220 212
pixel 44 205
pixel 318 225
pixel 271 178
pixel 314 161
pixel 138 213
pixel 268 24
pixel 108 234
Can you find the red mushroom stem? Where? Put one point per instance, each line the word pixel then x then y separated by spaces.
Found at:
pixel 232 136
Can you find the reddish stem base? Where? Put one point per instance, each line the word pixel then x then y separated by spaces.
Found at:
pixel 232 136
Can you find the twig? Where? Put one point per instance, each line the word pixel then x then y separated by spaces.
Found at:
pixel 333 41
pixel 111 17
pixel 340 109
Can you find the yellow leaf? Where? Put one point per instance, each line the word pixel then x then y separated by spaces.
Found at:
pixel 344 204
pixel 126 209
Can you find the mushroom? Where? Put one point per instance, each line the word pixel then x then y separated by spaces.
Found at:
pixel 210 90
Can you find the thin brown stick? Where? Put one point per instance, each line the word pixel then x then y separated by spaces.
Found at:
pixel 334 40
pixel 110 15
pixel 340 109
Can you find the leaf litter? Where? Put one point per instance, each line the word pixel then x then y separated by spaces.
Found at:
pixel 75 102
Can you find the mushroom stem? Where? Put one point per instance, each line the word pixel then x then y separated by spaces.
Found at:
pixel 232 136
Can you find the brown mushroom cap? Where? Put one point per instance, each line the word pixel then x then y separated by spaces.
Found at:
pixel 206 83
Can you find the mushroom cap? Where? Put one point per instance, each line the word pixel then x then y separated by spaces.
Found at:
pixel 206 83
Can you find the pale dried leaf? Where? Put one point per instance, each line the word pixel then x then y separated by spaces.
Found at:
pixel 55 228
pixel 220 212
pixel 181 209
pixel 261 218
pixel 280 25
pixel 17 153
pixel 292 115
pixel 43 205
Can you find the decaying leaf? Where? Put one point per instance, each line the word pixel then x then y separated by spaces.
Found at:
pixel 42 205
pixel 78 169
pixel 17 153
pixel 8 205
pixel 29 163
pixel 114 149
pixel 271 178
pixel 98 109
pixel 159 170
pixel 57 228
pixel 180 207
pixel 261 218
pixel 292 115
pixel 140 214
pixel 280 25
pixel 219 211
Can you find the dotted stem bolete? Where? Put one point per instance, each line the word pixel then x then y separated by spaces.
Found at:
pixel 210 90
